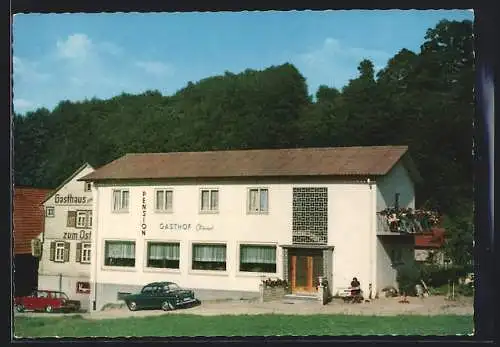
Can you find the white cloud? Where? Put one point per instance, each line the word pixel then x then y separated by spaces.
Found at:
pixel 332 49
pixel 27 70
pixel 82 67
pixel 22 105
pixel 76 46
pixel 333 63
pixel 156 68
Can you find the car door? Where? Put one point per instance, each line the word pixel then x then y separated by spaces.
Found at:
pixel 146 298
pixel 28 301
pixel 158 296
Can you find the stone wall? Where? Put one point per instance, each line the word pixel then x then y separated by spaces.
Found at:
pixel 272 293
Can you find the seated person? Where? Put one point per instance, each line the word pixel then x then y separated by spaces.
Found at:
pixel 355 287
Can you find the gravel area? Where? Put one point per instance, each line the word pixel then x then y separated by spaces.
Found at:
pixel 386 306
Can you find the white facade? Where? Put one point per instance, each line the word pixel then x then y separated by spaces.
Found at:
pixel 353 248
pixel 67 242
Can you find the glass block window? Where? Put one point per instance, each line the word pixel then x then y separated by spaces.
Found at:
pixel 310 215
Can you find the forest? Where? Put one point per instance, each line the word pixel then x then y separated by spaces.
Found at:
pixel 421 99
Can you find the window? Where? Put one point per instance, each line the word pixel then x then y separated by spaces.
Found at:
pixel 396 256
pixel 209 257
pixel 88 187
pixel 257 200
pixel 148 290
pixel 119 253
pixel 163 200
pixel 120 200
pixel 209 200
pixel 49 211
pixel 163 255
pixel 59 251
pixel 83 250
pixel 79 219
pixel 256 258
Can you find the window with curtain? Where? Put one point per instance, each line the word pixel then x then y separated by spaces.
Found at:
pixel 209 200
pixel 119 253
pixel 163 255
pixel 164 200
pixel 257 200
pixel 120 200
pixel 258 258
pixel 209 257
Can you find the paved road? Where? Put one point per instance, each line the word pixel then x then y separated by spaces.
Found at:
pixel 427 306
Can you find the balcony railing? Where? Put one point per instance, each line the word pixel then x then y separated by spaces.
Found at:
pixel 394 221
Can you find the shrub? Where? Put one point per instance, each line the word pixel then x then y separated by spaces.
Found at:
pixel 465 289
pixel 436 276
pixel 408 276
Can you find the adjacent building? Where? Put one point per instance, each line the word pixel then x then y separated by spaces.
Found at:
pixel 65 262
pixel 222 221
pixel 429 247
pixel 28 225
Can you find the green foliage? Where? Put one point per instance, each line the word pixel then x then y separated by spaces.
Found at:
pixel 436 276
pixel 408 276
pixel 459 243
pixel 465 289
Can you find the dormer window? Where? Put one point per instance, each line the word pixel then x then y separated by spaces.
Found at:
pixel 88 187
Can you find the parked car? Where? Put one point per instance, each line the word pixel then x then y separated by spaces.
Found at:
pixel 161 295
pixel 46 300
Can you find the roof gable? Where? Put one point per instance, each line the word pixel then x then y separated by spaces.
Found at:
pixel 67 180
pixel 338 161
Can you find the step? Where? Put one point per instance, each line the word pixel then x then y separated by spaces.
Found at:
pixel 292 298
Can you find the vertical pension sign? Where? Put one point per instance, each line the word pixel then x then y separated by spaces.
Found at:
pixel 143 224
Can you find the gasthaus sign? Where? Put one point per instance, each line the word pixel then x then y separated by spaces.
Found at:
pixel 69 199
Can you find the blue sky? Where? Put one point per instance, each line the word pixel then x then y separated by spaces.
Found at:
pixel 77 56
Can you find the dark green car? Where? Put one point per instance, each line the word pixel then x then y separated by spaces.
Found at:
pixel 161 295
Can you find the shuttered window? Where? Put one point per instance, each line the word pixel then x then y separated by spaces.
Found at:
pixel 83 252
pixel 59 251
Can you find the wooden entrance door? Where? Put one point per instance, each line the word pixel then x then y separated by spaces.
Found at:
pixel 304 270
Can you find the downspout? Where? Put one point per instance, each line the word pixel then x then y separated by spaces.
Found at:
pixel 373 241
pixel 95 223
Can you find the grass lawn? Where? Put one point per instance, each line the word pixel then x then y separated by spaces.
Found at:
pixel 244 325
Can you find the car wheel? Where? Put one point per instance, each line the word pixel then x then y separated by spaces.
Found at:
pixel 167 306
pixel 132 306
pixel 48 309
pixel 19 308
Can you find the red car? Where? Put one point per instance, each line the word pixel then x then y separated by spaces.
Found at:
pixel 46 300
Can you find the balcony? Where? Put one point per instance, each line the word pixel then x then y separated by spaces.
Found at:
pixel 392 221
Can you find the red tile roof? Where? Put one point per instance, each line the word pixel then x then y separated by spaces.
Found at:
pixel 28 218
pixel 340 161
pixel 433 239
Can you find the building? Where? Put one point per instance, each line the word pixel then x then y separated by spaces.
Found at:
pixel 65 263
pixel 221 221
pixel 429 247
pixel 28 225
